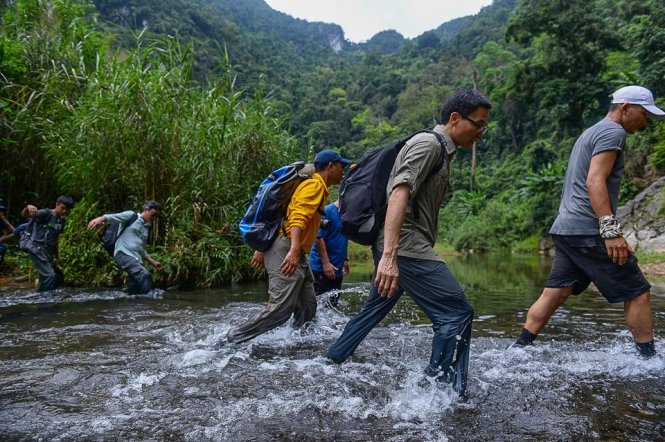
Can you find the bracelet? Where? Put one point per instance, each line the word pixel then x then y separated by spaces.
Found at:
pixel 610 227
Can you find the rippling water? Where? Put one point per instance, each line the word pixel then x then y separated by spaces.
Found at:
pixel 102 365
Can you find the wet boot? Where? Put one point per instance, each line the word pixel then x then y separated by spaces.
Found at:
pixel 646 349
pixel 525 338
pixel 449 363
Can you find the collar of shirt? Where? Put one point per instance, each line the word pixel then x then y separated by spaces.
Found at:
pixel 140 218
pixel 451 148
pixel 318 177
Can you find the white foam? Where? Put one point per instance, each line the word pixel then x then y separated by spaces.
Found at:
pixel 197 357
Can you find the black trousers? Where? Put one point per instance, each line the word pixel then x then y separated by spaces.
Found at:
pixel 435 290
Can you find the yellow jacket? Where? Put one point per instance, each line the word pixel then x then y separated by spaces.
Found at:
pixel 305 208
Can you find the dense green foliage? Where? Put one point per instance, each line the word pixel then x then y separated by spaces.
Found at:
pixel 133 126
pixel 189 102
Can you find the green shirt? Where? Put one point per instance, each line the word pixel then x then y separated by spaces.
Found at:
pixel 412 167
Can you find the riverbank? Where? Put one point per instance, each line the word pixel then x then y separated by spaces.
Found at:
pixel 13 279
pixel 654 270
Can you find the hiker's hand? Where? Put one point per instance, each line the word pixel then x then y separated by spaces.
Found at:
pixel 387 276
pixel 153 262
pixel 258 261
pixel 329 270
pixel 96 222
pixel 618 250
pixel 290 262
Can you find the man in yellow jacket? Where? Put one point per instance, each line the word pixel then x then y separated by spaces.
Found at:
pixel 291 286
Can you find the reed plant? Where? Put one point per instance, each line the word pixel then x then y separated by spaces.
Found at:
pixel 114 129
pixel 144 130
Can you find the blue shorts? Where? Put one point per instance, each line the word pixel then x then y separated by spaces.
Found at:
pixel 581 260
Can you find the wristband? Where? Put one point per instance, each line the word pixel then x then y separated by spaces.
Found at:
pixel 610 227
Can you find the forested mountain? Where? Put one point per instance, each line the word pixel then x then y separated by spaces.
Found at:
pixel 258 40
pixel 209 95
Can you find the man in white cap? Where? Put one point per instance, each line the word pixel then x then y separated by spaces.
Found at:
pixel 587 236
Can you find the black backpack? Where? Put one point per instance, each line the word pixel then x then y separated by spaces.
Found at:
pixel 25 240
pixel 362 194
pixel 263 218
pixel 113 232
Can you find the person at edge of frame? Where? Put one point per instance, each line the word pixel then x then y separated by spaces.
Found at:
pixel 588 239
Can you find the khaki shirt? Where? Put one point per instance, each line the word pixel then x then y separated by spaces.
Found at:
pixel 412 167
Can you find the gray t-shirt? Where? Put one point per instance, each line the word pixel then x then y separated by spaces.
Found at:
pixel 412 167
pixel 576 216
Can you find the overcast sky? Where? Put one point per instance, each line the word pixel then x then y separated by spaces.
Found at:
pixel 361 19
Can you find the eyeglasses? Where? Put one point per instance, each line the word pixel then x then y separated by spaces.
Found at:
pixel 482 128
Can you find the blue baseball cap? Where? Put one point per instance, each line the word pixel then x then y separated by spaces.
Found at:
pixel 329 156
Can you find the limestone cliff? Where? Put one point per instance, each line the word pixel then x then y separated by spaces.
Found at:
pixel 643 218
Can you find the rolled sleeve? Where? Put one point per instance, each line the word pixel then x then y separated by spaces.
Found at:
pixel 609 140
pixel 118 218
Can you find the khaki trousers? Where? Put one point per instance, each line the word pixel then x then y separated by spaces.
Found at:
pixel 293 295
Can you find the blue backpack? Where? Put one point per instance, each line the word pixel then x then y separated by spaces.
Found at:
pixel 263 219
pixel 362 194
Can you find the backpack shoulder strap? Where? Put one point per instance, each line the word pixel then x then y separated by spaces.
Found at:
pixel 437 167
pixel 443 143
pixel 126 224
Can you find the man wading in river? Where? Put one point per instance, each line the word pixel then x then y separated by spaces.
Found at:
pixel 129 250
pixel 403 253
pixel 290 281
pixel 587 237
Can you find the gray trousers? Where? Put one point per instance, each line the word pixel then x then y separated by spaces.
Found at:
pixel 435 290
pixel 138 278
pixel 293 295
pixel 50 277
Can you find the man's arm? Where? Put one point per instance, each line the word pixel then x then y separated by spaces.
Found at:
pixel 292 258
pixel 156 264
pixel 258 260
pixel 6 222
pixel 387 272
pixel 111 218
pixel 600 168
pixel 96 222
pixel 328 269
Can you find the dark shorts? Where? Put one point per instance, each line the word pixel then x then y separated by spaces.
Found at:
pixel 581 260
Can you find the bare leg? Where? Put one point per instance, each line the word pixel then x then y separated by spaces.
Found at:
pixel 638 317
pixel 541 310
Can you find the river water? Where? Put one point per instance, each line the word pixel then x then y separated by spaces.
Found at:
pixel 77 364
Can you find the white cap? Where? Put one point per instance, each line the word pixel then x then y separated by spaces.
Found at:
pixel 639 95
